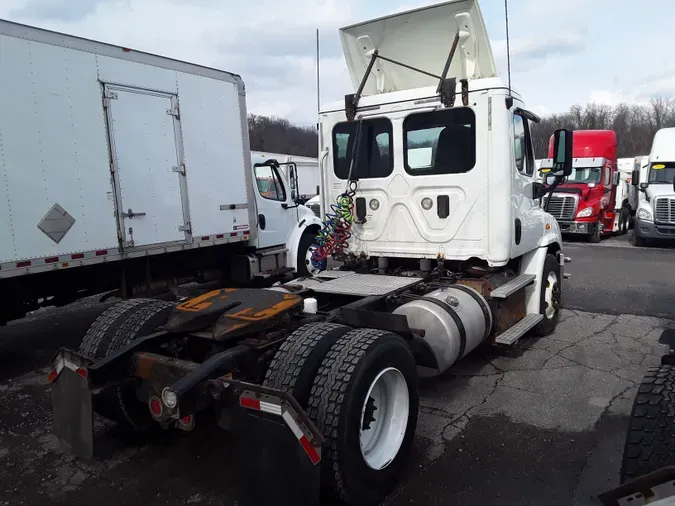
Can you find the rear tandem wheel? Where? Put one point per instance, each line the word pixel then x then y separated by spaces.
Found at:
pixel 119 325
pixel 365 402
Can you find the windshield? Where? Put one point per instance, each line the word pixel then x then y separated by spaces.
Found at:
pixel 662 173
pixel 585 175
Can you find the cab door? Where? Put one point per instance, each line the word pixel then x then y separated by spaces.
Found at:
pixel 277 215
pixel 527 216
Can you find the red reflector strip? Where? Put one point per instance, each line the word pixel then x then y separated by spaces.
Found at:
pixel 311 452
pixel 249 403
pixel 51 260
pixel 220 236
pixel 25 263
pixel 82 372
pixel 233 234
pixel 101 252
pixel 77 256
pixel 52 376
pixel 206 238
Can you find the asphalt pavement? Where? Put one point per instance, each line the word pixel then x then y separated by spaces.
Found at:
pixel 615 277
pixel 543 423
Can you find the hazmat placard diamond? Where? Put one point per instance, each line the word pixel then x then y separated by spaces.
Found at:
pixel 56 223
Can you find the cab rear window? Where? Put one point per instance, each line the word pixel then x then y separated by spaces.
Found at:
pixel 372 154
pixel 440 142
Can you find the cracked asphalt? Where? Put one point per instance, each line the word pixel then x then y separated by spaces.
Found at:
pixel 541 423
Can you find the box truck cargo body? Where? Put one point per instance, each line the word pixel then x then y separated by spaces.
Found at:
pixel 111 154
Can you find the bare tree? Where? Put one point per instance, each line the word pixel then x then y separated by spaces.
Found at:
pixel 634 124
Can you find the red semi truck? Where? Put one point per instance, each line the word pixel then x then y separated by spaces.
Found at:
pixel 586 202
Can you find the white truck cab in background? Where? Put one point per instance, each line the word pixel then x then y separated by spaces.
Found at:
pixel 307 169
pixel 655 182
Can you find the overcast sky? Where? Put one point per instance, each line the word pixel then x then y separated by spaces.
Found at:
pixel 562 52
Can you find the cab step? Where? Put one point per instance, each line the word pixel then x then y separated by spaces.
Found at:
pixel 512 334
pixel 511 287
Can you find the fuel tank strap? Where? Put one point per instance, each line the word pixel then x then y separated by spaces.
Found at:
pixel 483 305
pixel 455 317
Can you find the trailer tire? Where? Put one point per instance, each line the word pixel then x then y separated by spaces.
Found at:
pixel 344 393
pixel 648 444
pixel 121 327
pixel 304 262
pixel 549 302
pixel 299 357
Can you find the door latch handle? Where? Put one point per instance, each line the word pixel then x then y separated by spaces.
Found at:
pixel 130 214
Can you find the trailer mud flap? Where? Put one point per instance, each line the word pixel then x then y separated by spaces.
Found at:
pixel 73 421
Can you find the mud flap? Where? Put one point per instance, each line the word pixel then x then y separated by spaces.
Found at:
pixel 277 468
pixel 73 421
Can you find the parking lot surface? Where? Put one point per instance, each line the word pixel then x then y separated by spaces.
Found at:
pixel 541 424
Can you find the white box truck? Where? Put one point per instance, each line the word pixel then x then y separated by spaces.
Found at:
pixel 122 169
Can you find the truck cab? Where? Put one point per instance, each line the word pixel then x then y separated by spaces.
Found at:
pixel 585 203
pixel 427 181
pixel 655 181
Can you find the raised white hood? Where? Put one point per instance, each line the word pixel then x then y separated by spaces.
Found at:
pixel 421 38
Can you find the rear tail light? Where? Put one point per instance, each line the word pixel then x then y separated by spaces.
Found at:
pixel 155 406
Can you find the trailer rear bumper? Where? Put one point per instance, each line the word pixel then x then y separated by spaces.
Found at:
pixel 268 423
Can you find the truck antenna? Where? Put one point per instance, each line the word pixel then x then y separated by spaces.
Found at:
pixel 509 98
pixel 318 81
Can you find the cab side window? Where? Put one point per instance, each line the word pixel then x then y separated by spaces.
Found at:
pixel 519 149
pixel 522 146
pixel 269 183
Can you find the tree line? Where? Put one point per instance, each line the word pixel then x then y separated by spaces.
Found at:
pixel 634 124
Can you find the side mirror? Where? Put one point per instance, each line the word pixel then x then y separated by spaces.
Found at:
pixel 538 190
pixel 643 186
pixel 635 177
pixel 616 178
pixel 562 151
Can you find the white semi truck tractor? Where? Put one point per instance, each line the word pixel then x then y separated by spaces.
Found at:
pixel 440 254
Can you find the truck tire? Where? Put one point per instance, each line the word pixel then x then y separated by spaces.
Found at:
pixel 97 338
pixel 305 268
pixel 550 295
pixel 624 219
pixel 368 380
pixel 595 236
pixel 299 357
pixel 652 425
pixel 117 329
pixel 640 242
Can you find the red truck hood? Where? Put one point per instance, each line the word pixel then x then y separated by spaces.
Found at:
pixel 580 189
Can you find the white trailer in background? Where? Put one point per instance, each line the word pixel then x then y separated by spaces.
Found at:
pixel 130 171
pixel 307 171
